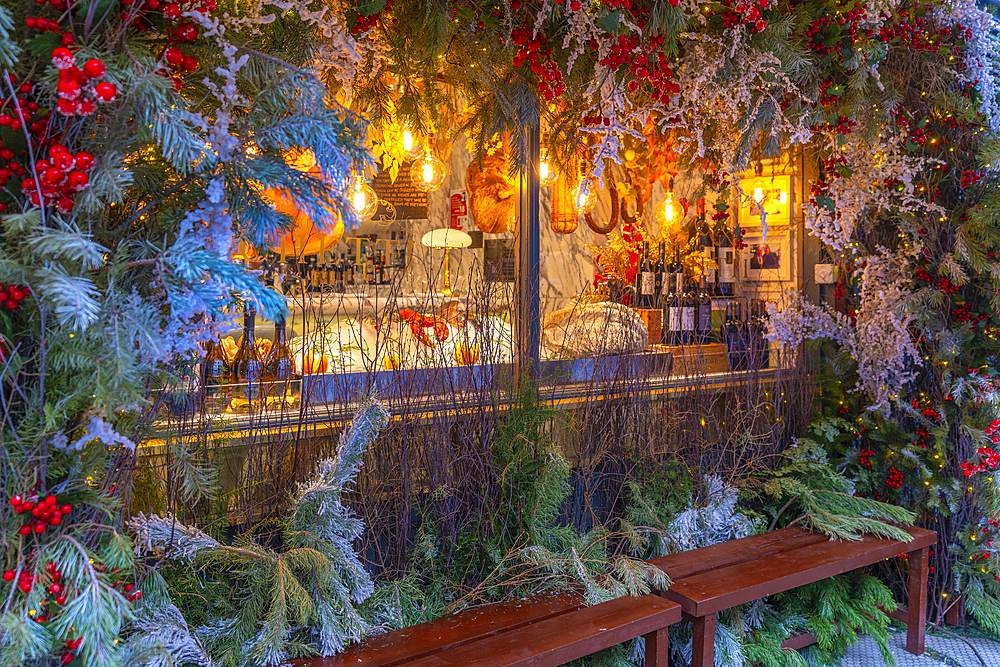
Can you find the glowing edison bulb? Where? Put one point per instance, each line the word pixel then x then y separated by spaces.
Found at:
pixel 411 147
pixel 758 195
pixel 547 174
pixel 363 199
pixel 665 211
pixel 586 197
pixel 427 172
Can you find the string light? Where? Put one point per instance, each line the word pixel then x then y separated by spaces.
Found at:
pixel 586 197
pixel 428 172
pixel 546 172
pixel 363 199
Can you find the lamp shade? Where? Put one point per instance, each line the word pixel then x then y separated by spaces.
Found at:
pixel 305 239
pixel 446 238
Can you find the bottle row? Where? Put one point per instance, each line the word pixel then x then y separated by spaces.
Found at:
pixel 367 261
pixel 252 362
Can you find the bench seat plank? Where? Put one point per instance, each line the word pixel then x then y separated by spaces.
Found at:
pixel 725 587
pixel 404 645
pixel 755 547
pixel 566 637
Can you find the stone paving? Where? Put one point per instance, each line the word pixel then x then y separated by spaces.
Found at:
pixel 940 650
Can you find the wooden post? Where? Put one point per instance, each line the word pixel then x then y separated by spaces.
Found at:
pixel 916 606
pixel 528 316
pixel 703 650
pixel 657 648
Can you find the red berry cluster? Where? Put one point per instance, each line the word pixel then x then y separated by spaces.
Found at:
pixel 46 512
pixel 895 478
pixel 840 30
pixel 78 89
pixel 989 459
pixel 59 178
pixel 181 29
pixel 363 24
pixel 922 438
pixel 864 457
pixel 642 67
pixel 745 12
pixel 972 176
pixel 625 4
pixel 930 413
pixel 44 25
pixel 12 295
pixel 61 5
pixel 533 50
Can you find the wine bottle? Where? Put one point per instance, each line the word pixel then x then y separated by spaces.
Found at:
pixel 732 337
pixel 727 263
pixel 647 280
pixel 689 308
pixel 280 363
pixel 247 365
pixel 707 245
pixel 674 310
pixel 661 276
pixel 704 316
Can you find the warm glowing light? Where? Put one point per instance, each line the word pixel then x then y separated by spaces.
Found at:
pixel 783 197
pixel 411 146
pixel 758 195
pixel 586 197
pixel 546 172
pixel 665 213
pixel 363 199
pixel 428 172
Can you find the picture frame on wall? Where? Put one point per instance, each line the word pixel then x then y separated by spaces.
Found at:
pixel 768 197
pixel 769 261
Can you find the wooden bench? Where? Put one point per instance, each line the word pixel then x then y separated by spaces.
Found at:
pixel 721 576
pixel 542 630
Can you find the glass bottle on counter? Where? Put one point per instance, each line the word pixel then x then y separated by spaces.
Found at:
pixel 661 277
pixel 247 365
pixel 280 365
pixel 215 370
pixel 674 310
pixel 647 279
pixel 689 310
pixel 704 323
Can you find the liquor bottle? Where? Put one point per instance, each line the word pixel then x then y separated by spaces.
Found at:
pixel 707 245
pixel 247 365
pixel 727 263
pixel 704 316
pixel 647 279
pixel 383 274
pixel 214 370
pixel 672 310
pixel 280 365
pixel 689 309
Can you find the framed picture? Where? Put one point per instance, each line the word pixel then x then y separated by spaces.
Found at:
pixel 766 261
pixel 768 197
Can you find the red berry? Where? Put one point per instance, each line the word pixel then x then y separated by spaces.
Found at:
pixel 62 57
pixel 16 500
pixel 189 64
pixel 87 106
pixel 25 530
pixel 28 506
pixel 68 39
pixel 56 520
pixel 61 600
pixel 63 161
pixel 67 107
pixel 65 509
pixel 94 68
pixel 39 528
pixel 67 658
pixel 84 161
pixel 29 22
pixel 171 11
pixel 105 92
pixel 8 575
pixel 65 205
pixel 77 180
pixel 11 304
pixel 56 149
pixel 54 589
pixel 69 90
pixel 173 55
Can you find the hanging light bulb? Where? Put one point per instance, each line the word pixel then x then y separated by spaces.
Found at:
pixel 586 196
pixel 363 199
pixel 783 197
pixel 665 211
pixel 546 171
pixel 427 172
pixel 411 146
pixel 758 194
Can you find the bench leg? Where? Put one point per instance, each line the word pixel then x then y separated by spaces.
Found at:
pixel 657 648
pixel 916 606
pixel 703 654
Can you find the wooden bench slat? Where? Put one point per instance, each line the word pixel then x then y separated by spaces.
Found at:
pixel 402 646
pixel 725 587
pixel 681 565
pixel 566 637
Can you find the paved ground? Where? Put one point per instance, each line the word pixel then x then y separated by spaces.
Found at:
pixel 940 650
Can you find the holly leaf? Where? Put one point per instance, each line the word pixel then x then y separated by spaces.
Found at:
pixel 844 171
pixel 42 46
pixel 610 21
pixel 370 7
